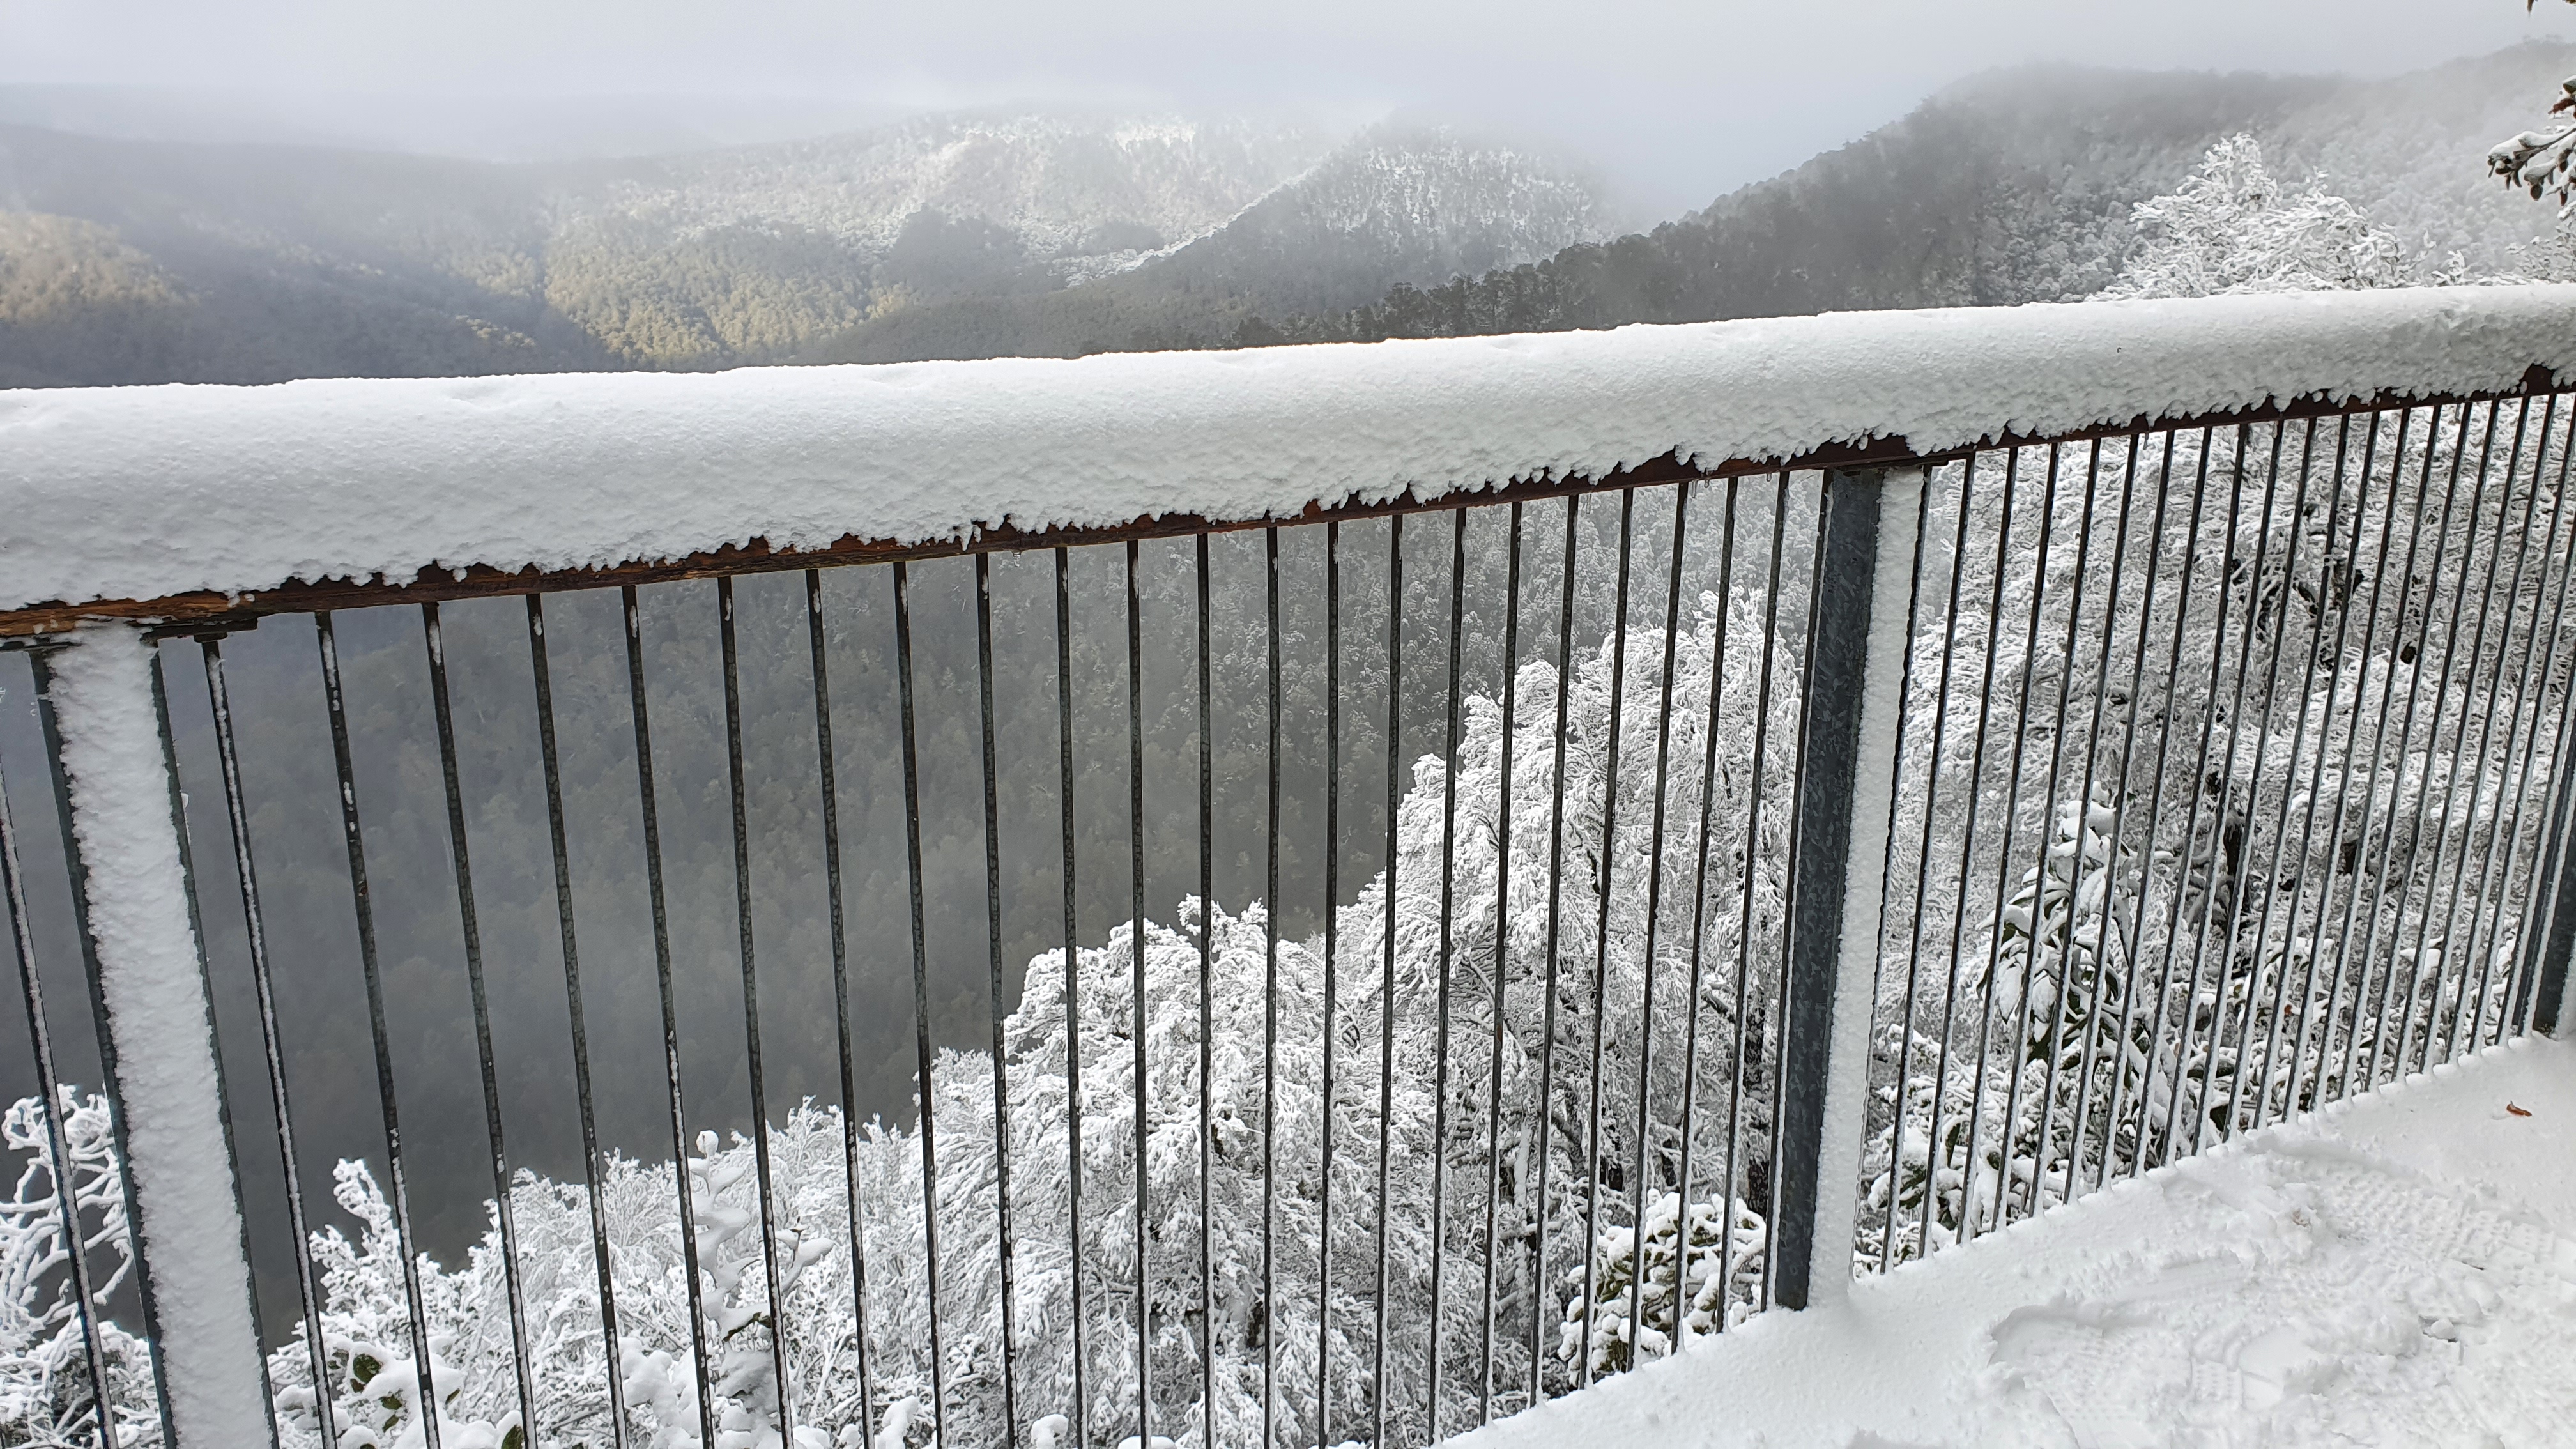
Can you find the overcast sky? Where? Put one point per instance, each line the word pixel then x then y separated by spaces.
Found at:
pixel 1681 99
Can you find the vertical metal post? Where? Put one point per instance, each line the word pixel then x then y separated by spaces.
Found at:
pixel 133 910
pixel 1854 671
pixel 2546 944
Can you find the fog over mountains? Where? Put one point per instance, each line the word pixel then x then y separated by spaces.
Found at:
pixel 134 261
pixel 1057 233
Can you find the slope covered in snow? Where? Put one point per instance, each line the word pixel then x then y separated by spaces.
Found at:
pixel 1080 190
pixel 2400 1270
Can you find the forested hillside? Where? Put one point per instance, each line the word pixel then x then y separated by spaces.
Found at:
pixel 2017 187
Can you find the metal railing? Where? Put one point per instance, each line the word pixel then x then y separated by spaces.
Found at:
pixel 1332 981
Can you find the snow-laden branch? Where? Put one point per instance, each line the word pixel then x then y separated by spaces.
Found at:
pixel 2540 161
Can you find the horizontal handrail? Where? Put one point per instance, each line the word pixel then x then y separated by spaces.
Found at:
pixel 200 505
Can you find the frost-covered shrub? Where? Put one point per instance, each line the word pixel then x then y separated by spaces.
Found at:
pixel 1719 1282
pixel 2032 1085
pixel 46 1392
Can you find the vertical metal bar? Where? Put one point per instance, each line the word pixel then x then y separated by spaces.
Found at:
pixel 921 986
pixel 1448 881
pixel 2103 934
pixel 2378 577
pixel 1744 920
pixel 214 1037
pixel 2405 739
pixel 2545 971
pixel 2270 877
pixel 1699 929
pixel 2317 771
pixel 2191 803
pixel 1829 749
pixel 1269 983
pixel 2433 1023
pixel 1555 900
pixel 2134 939
pixel 435 639
pixel 647 796
pixel 1000 1016
pixel 2465 1018
pixel 2379 745
pixel 828 782
pixel 31 996
pixel 2191 816
pixel 2397 788
pixel 592 1166
pixel 2433 735
pixel 1968 848
pixel 1075 1103
pixel 740 795
pixel 1501 967
pixel 1931 1210
pixel 1136 960
pixel 1332 918
pixel 2219 818
pixel 272 1045
pixel 399 1180
pixel 2004 855
pixel 1386 992
pixel 1271 947
pixel 2511 836
pixel 1646 1012
pixel 1207 994
pixel 2307 828
pixel 1592 1144
pixel 2262 747
pixel 2543 883
pixel 2083 813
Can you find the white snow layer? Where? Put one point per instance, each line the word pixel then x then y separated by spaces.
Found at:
pixel 156 1008
pixel 2399 1270
pixel 1882 716
pixel 143 492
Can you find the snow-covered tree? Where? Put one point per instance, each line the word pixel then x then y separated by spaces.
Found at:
pixel 46 1393
pixel 1612 924
pixel 2231 227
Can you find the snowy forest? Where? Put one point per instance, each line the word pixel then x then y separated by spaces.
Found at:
pixel 2220 780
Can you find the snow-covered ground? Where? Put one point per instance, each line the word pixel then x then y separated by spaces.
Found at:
pixel 2399 1270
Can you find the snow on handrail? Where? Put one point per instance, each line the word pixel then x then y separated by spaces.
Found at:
pixel 148 493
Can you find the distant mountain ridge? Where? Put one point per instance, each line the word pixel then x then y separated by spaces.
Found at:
pixel 135 261
pixel 1058 234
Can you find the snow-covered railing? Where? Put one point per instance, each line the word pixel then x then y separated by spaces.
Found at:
pixel 1953 760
